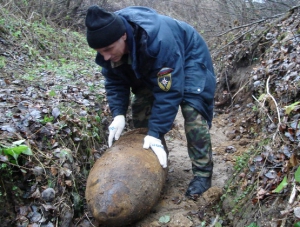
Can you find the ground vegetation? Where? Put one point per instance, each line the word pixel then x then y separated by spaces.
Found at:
pixel 54 115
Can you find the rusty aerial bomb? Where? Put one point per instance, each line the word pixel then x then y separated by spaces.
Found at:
pixel 125 183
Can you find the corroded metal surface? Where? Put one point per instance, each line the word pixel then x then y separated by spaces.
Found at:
pixel 125 183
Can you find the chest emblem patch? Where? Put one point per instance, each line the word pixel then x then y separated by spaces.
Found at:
pixel 164 79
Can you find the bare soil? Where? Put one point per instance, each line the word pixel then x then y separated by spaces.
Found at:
pixel 184 212
pixel 244 121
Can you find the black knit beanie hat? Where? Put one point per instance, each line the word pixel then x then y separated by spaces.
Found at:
pixel 103 28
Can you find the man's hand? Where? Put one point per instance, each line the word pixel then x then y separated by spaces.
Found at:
pixel 157 148
pixel 116 128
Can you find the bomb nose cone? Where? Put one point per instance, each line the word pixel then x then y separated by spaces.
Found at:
pixel 125 183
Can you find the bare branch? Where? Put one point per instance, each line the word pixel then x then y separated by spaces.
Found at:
pixel 246 25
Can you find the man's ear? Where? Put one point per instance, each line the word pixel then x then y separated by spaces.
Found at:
pixel 124 37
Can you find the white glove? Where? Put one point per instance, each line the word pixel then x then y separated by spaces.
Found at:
pixel 116 128
pixel 157 148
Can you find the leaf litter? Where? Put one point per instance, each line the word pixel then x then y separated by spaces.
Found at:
pixel 59 119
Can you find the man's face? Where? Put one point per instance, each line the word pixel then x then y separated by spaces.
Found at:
pixel 115 51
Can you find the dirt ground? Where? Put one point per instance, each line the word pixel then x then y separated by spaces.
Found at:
pixel 173 204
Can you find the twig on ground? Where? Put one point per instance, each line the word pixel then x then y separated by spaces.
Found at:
pixel 272 97
pixel 289 208
pixel 215 221
pixel 283 222
pixel 277 109
pixel 89 220
pixel 263 108
pixel 240 89
pixel 227 84
pixel 293 194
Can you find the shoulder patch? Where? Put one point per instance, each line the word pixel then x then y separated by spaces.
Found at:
pixel 164 71
pixel 164 78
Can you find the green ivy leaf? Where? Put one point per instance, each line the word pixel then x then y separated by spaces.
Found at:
pixel 66 153
pixel 27 151
pixel 16 151
pixel 290 108
pixel 97 118
pixel 218 224
pixel 164 219
pixel 52 93
pixel 281 185
pixel 20 149
pixel 11 152
pixel 262 97
pixel 297 224
pixel 297 175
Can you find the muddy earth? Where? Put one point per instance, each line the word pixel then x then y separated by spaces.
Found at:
pixel 256 120
pixel 173 205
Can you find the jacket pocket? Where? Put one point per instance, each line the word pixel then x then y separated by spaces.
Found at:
pixel 195 83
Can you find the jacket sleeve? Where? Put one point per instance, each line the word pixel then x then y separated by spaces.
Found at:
pixel 117 93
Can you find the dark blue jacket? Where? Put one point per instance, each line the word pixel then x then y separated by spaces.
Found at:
pixel 161 48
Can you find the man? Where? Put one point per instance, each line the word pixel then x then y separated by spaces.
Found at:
pixel 165 63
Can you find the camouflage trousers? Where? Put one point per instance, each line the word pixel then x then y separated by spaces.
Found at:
pixel 196 130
